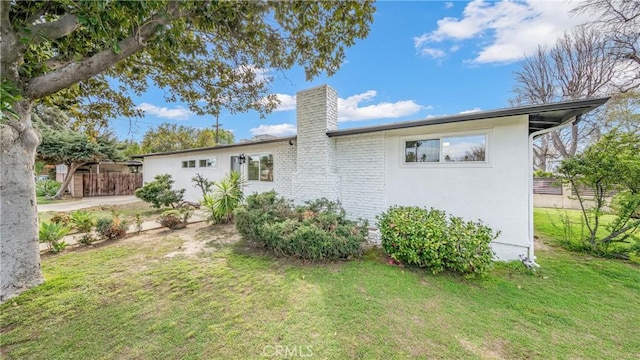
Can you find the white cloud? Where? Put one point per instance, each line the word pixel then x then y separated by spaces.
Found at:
pixel 178 113
pixel 476 109
pixel 350 109
pixel 448 5
pixel 433 53
pixel 275 130
pixel 506 30
pixel 287 102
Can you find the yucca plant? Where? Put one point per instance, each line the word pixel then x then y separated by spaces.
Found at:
pixel 52 233
pixel 227 195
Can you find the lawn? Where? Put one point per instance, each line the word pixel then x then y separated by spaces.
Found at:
pixel 200 293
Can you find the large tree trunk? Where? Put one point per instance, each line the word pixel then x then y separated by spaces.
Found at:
pixel 19 245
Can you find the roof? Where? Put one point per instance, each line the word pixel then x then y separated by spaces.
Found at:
pixel 246 143
pixel 541 117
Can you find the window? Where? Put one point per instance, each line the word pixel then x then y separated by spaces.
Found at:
pixel 186 164
pixel 205 163
pixel 449 149
pixel 260 167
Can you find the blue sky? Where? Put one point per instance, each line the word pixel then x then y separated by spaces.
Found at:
pixel 421 59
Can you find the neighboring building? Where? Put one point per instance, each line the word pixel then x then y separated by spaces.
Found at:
pixel 476 165
pixel 103 178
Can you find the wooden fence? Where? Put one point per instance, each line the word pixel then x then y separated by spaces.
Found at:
pixel 110 184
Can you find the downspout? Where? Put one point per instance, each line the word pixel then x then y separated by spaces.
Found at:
pixel 530 253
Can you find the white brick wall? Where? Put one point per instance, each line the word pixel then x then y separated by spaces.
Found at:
pixel 284 165
pixel 361 168
pixel 315 175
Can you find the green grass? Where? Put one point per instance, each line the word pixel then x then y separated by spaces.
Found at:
pixel 41 200
pixel 127 300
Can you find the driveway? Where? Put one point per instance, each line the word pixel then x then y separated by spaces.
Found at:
pixel 88 202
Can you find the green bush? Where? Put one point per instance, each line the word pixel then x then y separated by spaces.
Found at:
pixel 159 192
pixel 52 234
pixel 82 220
pixel 317 231
pixel 47 187
pixel 429 239
pixel 111 228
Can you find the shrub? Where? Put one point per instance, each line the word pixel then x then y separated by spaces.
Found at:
pixel 61 218
pixel 205 185
pixel 317 231
pixel 111 228
pixel 52 233
pixel 47 187
pixel 175 218
pixel 159 192
pixel 227 195
pixel 429 239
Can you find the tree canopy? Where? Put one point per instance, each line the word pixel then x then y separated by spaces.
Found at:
pixel 170 137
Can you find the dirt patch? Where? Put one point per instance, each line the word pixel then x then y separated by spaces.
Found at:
pixel 540 245
pixel 493 350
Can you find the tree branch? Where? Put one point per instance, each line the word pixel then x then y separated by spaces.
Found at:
pixel 52 30
pixel 78 71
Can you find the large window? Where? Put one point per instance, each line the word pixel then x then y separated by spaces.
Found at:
pixel 260 167
pixel 448 149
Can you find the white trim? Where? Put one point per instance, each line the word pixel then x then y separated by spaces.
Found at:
pixel 487 163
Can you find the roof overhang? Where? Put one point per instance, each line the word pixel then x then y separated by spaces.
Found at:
pixel 541 117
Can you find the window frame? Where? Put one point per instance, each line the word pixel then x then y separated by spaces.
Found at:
pixel 259 156
pixel 195 164
pixel 212 162
pixel 487 133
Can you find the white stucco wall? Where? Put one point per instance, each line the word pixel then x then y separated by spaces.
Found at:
pixel 283 163
pixel 496 192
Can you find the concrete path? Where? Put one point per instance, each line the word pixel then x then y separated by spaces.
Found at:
pixel 198 216
pixel 88 202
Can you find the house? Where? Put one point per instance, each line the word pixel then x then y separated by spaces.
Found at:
pixel 475 165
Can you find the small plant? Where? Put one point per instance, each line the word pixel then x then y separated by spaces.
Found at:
pixel 175 218
pixel 52 233
pixel 205 185
pixel 138 223
pixel 159 192
pixel 83 222
pixel 112 228
pixel 61 218
pixel 429 239
pixel 47 187
pixel 227 195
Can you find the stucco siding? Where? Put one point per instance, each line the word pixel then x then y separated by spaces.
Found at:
pixel 171 164
pixel 496 192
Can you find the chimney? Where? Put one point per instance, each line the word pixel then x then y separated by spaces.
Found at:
pixel 315 176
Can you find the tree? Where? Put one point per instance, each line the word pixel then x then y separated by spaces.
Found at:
pixel 66 53
pixel 618 21
pixel 130 148
pixel 577 66
pixel 171 137
pixel 75 149
pixel 610 165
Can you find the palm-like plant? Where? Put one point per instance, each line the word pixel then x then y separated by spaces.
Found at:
pixel 227 195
